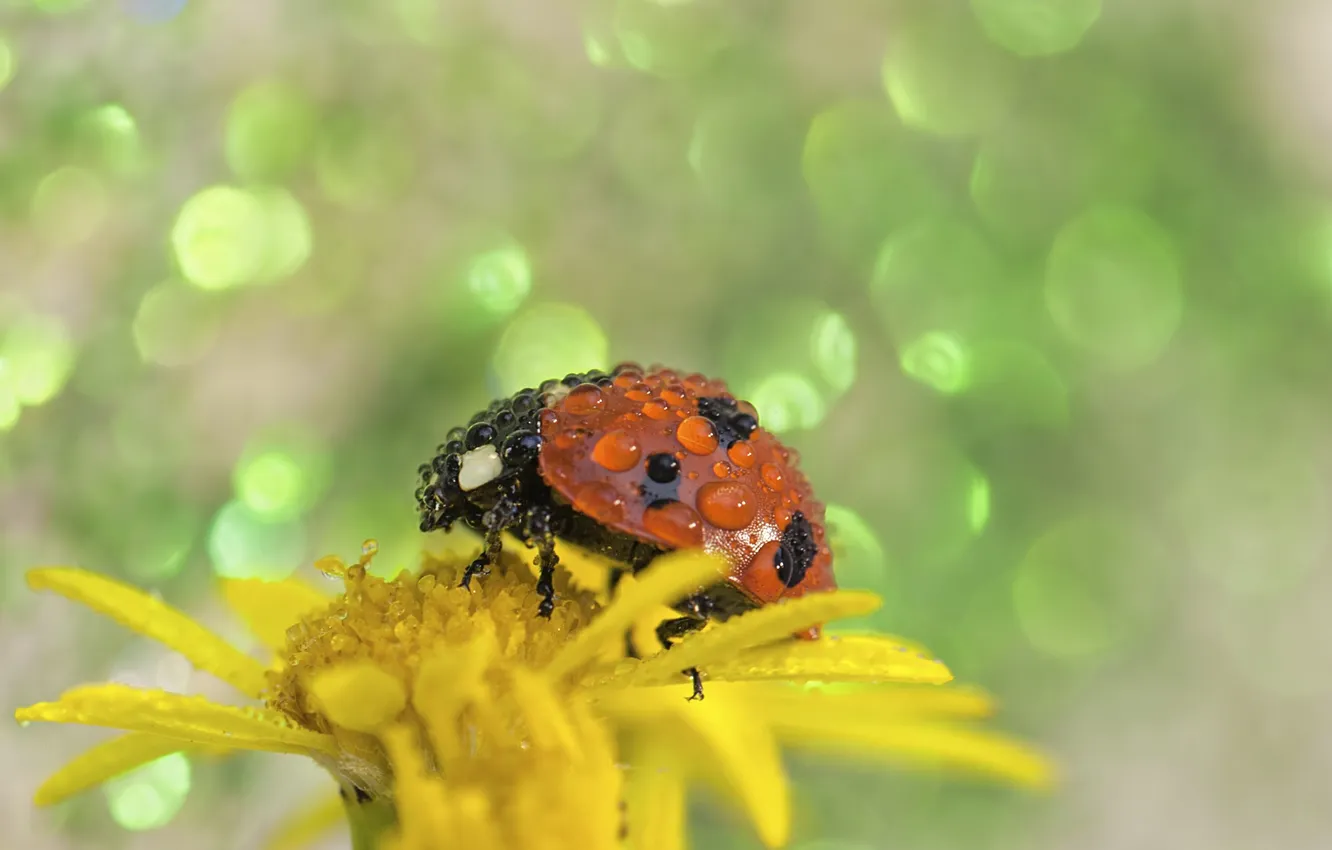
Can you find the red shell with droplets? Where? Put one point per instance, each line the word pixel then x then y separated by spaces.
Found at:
pixel 733 501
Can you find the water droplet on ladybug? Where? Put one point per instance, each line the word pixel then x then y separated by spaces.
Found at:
pixel 730 505
pixel 721 469
pixel 675 524
pixel 697 435
pixel 584 400
pixel 741 454
pixel 673 397
pixel 617 451
pixel 600 501
pixel 771 475
pixel 657 409
pixel 570 437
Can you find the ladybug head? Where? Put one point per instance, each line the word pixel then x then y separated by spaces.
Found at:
pixel 469 472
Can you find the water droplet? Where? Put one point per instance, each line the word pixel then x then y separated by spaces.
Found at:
pixel 697 435
pixel 727 504
pixel 721 469
pixel 657 409
pixel 617 451
pixel 584 400
pixel 600 501
pixel 771 474
pixel 675 524
pixel 741 454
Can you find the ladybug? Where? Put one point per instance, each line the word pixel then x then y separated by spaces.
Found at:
pixel 632 464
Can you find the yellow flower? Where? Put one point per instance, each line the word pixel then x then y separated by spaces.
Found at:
pixel 453 718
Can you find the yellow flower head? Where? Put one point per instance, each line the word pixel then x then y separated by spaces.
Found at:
pixel 459 717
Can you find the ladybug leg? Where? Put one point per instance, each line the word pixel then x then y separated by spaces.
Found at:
pixel 495 521
pixel 669 631
pixel 537 528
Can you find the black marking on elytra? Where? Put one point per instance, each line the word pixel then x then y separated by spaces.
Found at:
pixel 661 484
pixel 663 467
pixel 656 494
pixel 796 552
pixel 727 420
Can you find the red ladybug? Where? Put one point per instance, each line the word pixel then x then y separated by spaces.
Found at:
pixel 632 464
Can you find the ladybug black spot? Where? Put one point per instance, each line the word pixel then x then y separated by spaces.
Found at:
pixel 796 552
pixel 663 468
pixel 727 420
pixel 662 484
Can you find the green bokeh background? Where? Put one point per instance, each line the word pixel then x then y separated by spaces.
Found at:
pixel 1039 289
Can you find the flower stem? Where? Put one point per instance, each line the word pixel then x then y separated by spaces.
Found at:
pixel 369 821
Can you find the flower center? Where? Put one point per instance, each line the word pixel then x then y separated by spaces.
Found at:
pixel 459 667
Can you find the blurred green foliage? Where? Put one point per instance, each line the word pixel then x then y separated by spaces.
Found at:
pixel 1013 275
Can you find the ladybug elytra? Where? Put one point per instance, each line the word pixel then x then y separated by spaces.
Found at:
pixel 632 464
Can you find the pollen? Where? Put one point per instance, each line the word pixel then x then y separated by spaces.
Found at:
pixel 418 650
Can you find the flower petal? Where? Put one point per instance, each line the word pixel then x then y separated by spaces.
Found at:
pixel 155 619
pixel 358 695
pixel 102 762
pixel 833 659
pixel 269 608
pixel 733 744
pixel 308 824
pixel 946 746
pixel 654 795
pixel 669 579
pixel 193 720
pixel 722 642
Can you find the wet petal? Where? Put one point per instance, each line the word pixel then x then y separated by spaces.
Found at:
pixel 654 799
pixel 874 705
pixel 833 659
pixel 669 579
pixel 269 608
pixel 308 824
pixel 776 622
pixel 102 762
pixel 153 618
pixel 189 719
pixel 945 746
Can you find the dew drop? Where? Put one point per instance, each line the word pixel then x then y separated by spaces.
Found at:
pixel 657 409
pixel 697 435
pixel 617 451
pixel 721 469
pixel 584 400
pixel 727 504
pixel 675 524
pixel 771 475
pixel 741 454
pixel 600 501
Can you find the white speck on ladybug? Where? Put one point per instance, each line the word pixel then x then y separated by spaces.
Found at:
pixel 480 466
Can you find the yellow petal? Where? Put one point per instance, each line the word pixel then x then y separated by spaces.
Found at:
pixel 359 695
pixel 654 795
pixel 193 720
pixel 155 619
pixel 269 608
pixel 548 726
pixel 870 706
pixel 448 680
pixel 423 804
pixel 308 824
pixel 832 659
pixel 102 762
pixel 946 746
pixel 669 579
pixel 731 741
pixel 753 628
